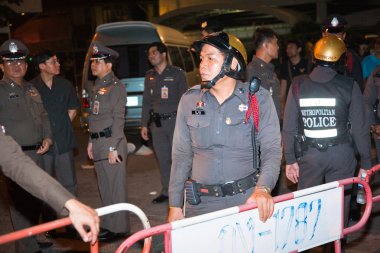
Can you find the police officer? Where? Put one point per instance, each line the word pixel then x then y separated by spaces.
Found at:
pixel 265 41
pixel 336 25
pixel 219 126
pixel 107 143
pixel 319 110
pixel 163 87
pixel 23 115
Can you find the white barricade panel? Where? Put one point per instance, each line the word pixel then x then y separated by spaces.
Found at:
pixel 296 224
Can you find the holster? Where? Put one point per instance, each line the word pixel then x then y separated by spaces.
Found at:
pixel 300 145
pixel 191 192
pixel 155 117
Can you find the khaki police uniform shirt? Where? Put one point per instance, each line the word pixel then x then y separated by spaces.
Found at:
pixel 22 113
pixel 172 80
pixel 110 95
pixel 213 145
pixel 269 80
pixel 22 170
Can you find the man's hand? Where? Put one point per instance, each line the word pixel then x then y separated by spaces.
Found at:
pixel 113 157
pixel 361 172
pixel 46 143
pixel 264 201
pixel 144 133
pixel 89 151
pixel 293 172
pixel 175 213
pixel 82 215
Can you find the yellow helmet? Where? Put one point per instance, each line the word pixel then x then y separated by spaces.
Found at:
pixel 238 45
pixel 329 49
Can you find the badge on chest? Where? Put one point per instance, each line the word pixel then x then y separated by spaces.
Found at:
pixel 164 92
pixel 199 109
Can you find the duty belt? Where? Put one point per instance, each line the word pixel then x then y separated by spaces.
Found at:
pixel 31 147
pixel 323 145
pixel 229 188
pixel 105 133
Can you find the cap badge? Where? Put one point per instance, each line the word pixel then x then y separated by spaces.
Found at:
pixel 13 47
pixel 204 25
pixel 334 22
pixel 95 49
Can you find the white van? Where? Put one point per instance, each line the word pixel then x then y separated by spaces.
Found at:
pixel 131 40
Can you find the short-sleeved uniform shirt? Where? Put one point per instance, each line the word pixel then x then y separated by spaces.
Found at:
pixel 212 144
pixel 162 92
pixel 57 101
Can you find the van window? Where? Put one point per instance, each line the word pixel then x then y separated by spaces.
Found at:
pixel 175 57
pixel 187 59
pixel 132 61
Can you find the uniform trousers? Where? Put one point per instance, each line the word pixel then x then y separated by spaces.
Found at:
pixel 317 168
pixel 112 183
pixel 25 210
pixel 211 204
pixel 61 166
pixel 162 138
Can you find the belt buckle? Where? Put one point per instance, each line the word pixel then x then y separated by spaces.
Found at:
pixel 321 146
pixel 229 188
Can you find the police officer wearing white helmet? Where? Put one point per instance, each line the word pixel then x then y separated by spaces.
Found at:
pixel 324 119
pixel 219 126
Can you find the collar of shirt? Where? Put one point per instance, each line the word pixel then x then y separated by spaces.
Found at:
pixel 269 66
pixel 322 74
pixel 105 81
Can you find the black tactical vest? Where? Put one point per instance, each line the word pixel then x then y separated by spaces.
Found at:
pixel 324 108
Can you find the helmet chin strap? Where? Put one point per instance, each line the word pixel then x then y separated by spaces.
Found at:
pixel 225 69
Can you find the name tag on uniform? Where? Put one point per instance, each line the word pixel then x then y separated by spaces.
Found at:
pixel 164 92
pixel 198 112
pixel 95 109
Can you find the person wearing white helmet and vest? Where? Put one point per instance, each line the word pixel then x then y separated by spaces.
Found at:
pixel 324 119
pixel 220 125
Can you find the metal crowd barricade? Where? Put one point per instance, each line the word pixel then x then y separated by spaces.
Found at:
pixel 201 229
pixel 238 229
pixel 66 221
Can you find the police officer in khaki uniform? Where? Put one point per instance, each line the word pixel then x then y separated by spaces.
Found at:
pixel 107 143
pixel 318 142
pixel 336 25
pixel 22 170
pixel 219 127
pixel 163 87
pixel 23 115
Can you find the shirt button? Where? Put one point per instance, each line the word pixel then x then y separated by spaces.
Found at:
pixel 217 132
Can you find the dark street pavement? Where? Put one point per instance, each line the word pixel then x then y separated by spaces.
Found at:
pixel 144 185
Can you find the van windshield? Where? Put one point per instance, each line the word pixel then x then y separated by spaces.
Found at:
pixel 132 61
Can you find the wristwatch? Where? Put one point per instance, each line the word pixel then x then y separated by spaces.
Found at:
pixel 112 149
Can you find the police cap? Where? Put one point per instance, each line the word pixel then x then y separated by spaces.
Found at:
pixel 212 26
pixel 334 24
pixel 13 50
pixel 99 51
